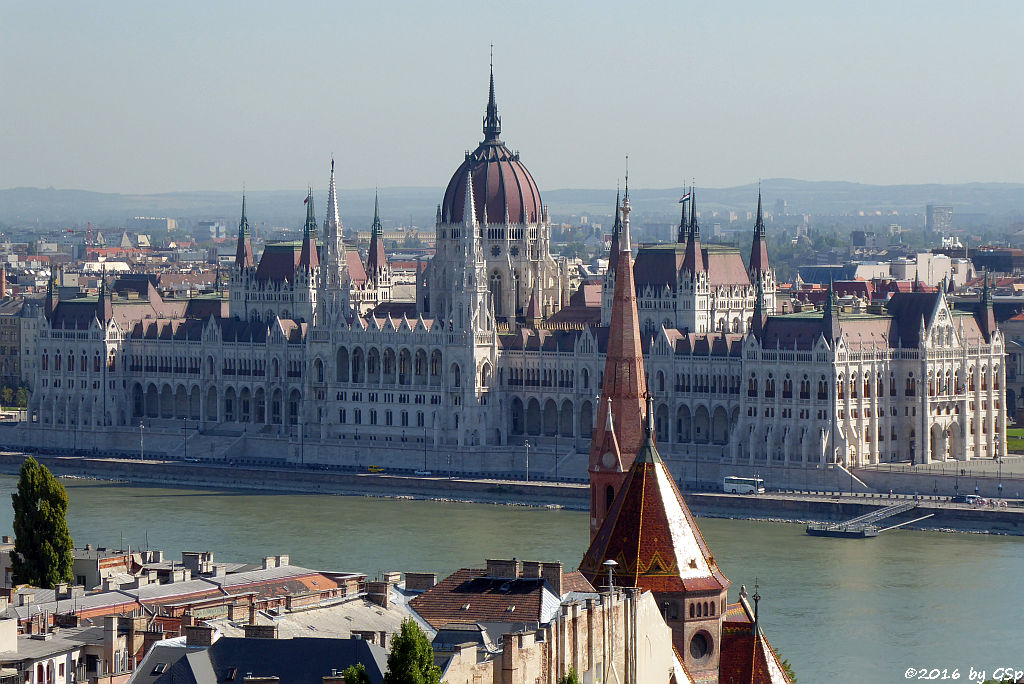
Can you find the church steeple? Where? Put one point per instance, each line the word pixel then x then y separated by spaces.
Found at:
pixel 623 389
pixel 243 250
pixel 492 122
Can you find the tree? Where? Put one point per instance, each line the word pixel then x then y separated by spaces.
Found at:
pixel 22 397
pixel 412 658
pixel 571 677
pixel 42 543
pixel 356 674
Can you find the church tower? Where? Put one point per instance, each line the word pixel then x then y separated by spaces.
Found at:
pixel 618 434
pixel 656 544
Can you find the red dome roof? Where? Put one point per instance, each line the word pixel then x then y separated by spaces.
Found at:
pixel 500 181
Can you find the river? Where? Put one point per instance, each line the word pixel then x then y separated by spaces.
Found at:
pixel 841 610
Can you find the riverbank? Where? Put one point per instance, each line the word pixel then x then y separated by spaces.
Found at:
pixel 775 507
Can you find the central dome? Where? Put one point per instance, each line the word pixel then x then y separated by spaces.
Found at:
pixel 501 183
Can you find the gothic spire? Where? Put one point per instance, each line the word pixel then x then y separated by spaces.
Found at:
pixel 693 259
pixel 243 250
pixel 760 315
pixel 376 228
pixel 309 256
pixel 985 315
pixel 758 262
pixel 492 122
pixel 376 258
pixel 683 232
pixel 332 223
pixel 829 314
pixel 310 231
pixel 623 388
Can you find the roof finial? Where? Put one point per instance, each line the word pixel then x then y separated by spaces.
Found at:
pixel 492 122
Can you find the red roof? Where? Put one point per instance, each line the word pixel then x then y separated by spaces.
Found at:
pixel 652 535
pixel 500 183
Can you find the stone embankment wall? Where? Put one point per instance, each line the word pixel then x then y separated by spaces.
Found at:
pixel 801 508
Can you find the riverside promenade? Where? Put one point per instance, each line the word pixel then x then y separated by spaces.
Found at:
pixel 786 506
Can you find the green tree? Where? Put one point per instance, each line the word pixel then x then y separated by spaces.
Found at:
pixel 356 674
pixel 787 667
pixel 8 396
pixel 42 543
pixel 22 397
pixel 571 677
pixel 412 658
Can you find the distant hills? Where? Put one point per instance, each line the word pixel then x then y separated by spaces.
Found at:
pixel 23 207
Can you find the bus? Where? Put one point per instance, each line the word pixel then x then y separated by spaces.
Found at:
pixel 743 485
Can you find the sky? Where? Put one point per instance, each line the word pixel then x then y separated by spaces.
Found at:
pixel 139 97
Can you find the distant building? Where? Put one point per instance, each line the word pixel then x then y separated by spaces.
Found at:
pixel 145 224
pixel 938 218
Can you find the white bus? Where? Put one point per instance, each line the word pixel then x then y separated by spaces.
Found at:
pixel 743 485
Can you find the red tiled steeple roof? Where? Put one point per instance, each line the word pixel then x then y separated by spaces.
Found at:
pixel 651 534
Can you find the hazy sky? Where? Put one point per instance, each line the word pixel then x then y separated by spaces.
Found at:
pixel 128 96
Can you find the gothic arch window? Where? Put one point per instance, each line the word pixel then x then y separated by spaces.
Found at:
pixel 609 498
pixel 495 288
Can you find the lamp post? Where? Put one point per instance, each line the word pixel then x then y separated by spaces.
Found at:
pixel 184 442
pixel 142 452
pixel 527 444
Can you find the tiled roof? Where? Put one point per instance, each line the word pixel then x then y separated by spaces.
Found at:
pixel 468 595
pixel 652 535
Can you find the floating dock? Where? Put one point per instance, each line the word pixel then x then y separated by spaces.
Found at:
pixel 865 525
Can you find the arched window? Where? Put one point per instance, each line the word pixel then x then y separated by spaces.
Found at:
pixel 609 497
pixel 692 610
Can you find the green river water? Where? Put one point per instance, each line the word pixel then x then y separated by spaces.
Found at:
pixel 841 610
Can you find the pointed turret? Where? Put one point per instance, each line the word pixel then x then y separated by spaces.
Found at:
pixel 830 316
pixel 104 303
pixel 693 259
pixel 684 229
pixel 243 250
pixel 986 317
pixel 376 258
pixel 759 246
pixel 623 388
pixel 51 300
pixel 309 257
pixel 760 317
pixel 492 122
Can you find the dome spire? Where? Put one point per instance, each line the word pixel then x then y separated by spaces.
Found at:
pixel 492 122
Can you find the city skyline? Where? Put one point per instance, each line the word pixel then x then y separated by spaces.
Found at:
pixel 197 98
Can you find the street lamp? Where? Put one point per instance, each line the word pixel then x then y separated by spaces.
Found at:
pixel 142 452
pixel 184 442
pixel 610 565
pixel 527 443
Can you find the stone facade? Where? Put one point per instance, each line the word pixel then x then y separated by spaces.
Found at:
pixel 299 351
